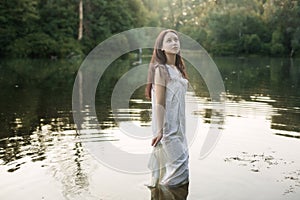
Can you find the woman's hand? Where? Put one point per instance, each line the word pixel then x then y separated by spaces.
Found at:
pixel 156 140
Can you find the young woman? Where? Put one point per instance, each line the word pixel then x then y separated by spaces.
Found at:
pixel 167 85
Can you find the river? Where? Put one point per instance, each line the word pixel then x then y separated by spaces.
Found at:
pixel 43 156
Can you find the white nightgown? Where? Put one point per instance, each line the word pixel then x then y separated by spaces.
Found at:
pixel 169 159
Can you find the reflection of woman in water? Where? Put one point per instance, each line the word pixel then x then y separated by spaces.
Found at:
pixel 167 85
pixel 166 193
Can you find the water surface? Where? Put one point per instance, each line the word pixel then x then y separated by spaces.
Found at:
pixel 42 156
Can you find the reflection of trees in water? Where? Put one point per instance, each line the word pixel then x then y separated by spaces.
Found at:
pixel 285 77
pixel 274 81
pixel 81 178
pixel 32 90
pixel 11 151
pixel 75 181
pixel 67 161
pixel 14 149
pixel 287 119
pixel 61 152
pixel 34 93
pixel 36 145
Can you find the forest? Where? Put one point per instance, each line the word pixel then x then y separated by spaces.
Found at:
pixel 66 28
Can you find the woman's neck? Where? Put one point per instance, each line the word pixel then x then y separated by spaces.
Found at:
pixel 171 58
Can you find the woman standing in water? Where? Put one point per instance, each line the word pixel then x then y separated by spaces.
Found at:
pixel 167 85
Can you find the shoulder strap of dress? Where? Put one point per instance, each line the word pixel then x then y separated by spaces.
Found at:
pixel 167 71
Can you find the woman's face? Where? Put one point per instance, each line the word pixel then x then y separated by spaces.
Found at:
pixel 171 44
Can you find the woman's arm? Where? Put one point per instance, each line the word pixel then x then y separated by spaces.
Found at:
pixel 150 80
pixel 160 99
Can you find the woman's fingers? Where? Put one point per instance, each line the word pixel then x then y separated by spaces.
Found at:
pixel 156 140
pixel 153 141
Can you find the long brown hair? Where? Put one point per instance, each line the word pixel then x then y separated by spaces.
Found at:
pixel 159 57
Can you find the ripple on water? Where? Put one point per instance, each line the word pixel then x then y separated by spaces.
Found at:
pixel 45 144
pixel 61 154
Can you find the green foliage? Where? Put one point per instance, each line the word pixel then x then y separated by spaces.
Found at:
pixel 58 18
pixel 49 28
pixel 227 27
pixel 277 49
pixel 32 45
pixel 277 37
pixel 17 18
pixel 252 43
pixel 265 48
pixel 225 49
pixel 68 47
pixel 42 45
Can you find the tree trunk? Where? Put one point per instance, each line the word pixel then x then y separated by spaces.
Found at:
pixel 80 29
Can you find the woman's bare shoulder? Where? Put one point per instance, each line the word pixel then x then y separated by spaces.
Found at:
pixel 159 66
pixel 161 74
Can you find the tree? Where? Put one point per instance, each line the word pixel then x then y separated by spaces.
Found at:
pixel 282 16
pixel 80 27
pixel 17 18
